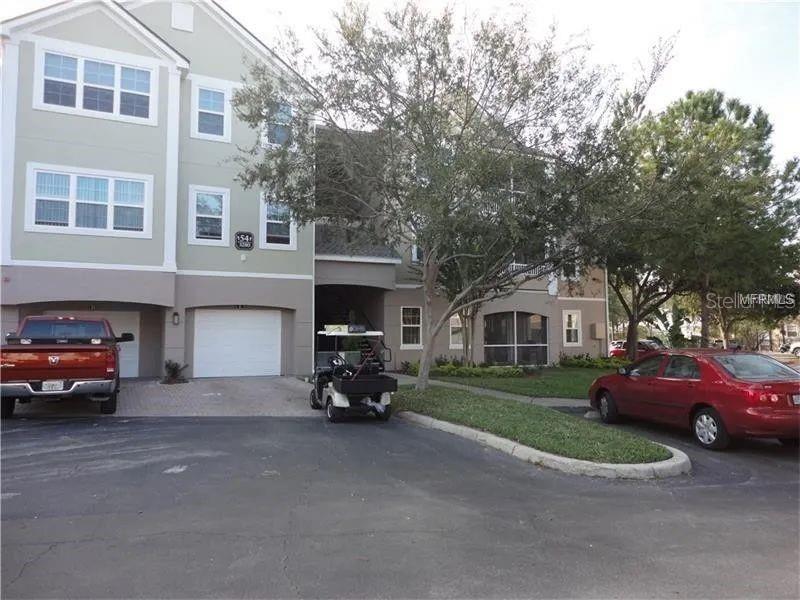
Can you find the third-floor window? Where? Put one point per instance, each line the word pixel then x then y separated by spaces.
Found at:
pixel 93 87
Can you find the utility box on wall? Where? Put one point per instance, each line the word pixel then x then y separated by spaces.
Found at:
pixel 598 331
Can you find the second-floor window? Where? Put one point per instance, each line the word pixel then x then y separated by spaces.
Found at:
pixel 82 201
pixel 209 215
pixel 278 231
pixel 95 87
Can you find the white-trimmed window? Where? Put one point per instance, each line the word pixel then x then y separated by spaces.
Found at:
pixel 411 328
pixel 279 129
pixel 88 202
pixel 417 255
pixel 456 333
pixel 277 230
pixel 572 327
pixel 77 79
pixel 209 215
pixel 211 108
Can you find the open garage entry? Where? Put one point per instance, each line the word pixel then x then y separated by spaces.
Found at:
pixel 232 342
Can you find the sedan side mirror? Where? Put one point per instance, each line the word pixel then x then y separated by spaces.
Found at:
pixel 623 371
pixel 125 337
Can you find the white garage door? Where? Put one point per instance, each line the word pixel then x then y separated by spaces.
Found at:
pixel 122 321
pixel 230 343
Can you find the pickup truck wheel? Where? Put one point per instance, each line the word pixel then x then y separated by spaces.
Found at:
pixel 109 407
pixel 8 407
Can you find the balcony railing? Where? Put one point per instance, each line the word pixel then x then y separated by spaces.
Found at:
pixel 538 270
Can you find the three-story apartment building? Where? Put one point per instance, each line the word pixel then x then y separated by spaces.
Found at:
pixel 119 199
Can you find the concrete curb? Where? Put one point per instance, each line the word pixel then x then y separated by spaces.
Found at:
pixel 678 464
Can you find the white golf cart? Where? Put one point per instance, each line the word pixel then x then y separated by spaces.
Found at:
pixel 349 376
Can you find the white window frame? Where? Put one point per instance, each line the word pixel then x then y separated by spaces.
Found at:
pixel 74 173
pixel 226 215
pixel 454 346
pixel 577 315
pixel 415 258
pixel 262 231
pixel 215 85
pixel 265 143
pixel 515 345
pixel 402 327
pixel 83 52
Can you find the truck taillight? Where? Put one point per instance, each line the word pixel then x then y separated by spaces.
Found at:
pixel 111 361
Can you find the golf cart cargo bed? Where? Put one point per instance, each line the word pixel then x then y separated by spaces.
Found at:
pixel 365 384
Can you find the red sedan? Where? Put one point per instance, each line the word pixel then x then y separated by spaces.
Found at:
pixel 719 394
pixel 642 347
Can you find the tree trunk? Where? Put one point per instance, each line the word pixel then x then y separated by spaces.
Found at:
pixel 471 356
pixel 632 339
pixel 705 314
pixel 429 275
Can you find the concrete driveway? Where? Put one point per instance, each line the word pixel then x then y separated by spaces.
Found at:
pixel 299 507
pixel 223 397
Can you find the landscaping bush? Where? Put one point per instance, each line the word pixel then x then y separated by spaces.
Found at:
pixel 592 362
pixel 452 370
pixel 173 372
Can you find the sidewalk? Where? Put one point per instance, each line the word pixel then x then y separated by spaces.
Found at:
pixel 549 402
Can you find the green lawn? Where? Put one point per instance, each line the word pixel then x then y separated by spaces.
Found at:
pixel 551 382
pixel 535 426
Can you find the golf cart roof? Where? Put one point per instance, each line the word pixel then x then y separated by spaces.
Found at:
pixel 347 334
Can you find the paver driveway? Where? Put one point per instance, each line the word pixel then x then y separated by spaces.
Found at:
pixel 299 507
pixel 216 397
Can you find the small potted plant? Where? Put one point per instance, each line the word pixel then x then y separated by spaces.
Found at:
pixel 173 372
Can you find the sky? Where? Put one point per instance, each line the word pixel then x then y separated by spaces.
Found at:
pixel 750 50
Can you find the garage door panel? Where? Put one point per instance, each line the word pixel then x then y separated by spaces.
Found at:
pixel 231 343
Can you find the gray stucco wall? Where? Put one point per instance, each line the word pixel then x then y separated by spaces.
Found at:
pixel 94 143
pixel 208 162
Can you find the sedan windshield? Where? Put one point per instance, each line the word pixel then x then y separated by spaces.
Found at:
pixel 754 367
pixel 63 329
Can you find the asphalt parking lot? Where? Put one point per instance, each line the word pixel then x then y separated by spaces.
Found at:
pixel 297 507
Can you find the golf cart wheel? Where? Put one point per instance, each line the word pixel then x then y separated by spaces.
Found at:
pixel 709 430
pixel 384 416
pixel 334 413
pixel 109 407
pixel 313 401
pixel 8 407
pixel 608 408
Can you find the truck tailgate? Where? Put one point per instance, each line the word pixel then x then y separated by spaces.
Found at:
pixel 56 361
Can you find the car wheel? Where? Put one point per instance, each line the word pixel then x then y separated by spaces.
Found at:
pixel 608 408
pixel 709 430
pixel 334 413
pixel 312 400
pixel 109 407
pixel 8 407
pixel 790 442
pixel 384 416
pixel 796 352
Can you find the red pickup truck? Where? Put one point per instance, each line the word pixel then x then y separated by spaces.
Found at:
pixel 51 358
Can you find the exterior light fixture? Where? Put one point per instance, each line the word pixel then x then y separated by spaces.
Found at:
pixel 176 319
